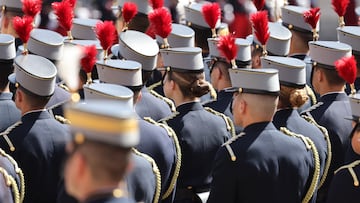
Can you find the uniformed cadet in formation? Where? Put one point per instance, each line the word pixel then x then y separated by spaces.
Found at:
pixel 158 142
pixel 10 9
pixel 333 100
pixel 199 131
pixel 344 186
pixel 261 158
pixel 144 181
pixel 8 111
pixel 37 142
pixel 99 153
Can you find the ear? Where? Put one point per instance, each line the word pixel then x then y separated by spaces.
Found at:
pixel 19 96
pixel 81 166
pixel 243 107
pixel 6 22
pixel 256 62
pixel 139 97
pixel 218 73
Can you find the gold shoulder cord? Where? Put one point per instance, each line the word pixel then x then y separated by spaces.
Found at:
pixel 7 131
pixel 228 147
pixel 311 94
pixel 62 120
pixel 153 86
pixel 350 167
pixel 18 171
pixel 213 93
pixel 229 124
pixel 172 135
pixel 310 146
pixel 165 99
pixel 10 182
pixel 329 150
pixel 155 171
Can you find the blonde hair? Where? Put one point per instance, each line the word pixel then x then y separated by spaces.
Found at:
pixel 292 97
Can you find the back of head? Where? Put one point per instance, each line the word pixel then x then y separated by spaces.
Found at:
pixel 191 84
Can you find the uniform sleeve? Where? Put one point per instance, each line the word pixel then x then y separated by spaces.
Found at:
pixel 223 186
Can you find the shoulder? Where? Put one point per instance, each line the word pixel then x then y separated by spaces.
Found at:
pixel 351 170
pixel 313 108
pixel 229 149
pixel 229 123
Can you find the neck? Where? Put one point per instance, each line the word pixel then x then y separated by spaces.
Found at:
pixel 328 89
pixel 222 84
pixel 26 109
pixel 97 189
pixel 297 45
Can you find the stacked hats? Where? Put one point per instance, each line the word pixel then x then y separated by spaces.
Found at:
pixel 105 91
pixel 292 18
pixel 254 81
pixel 180 36
pixel 120 72
pixel 105 122
pixel 7 47
pixel 325 53
pixel 137 46
pixel 84 28
pixel 35 74
pixel 183 59
pixel 292 71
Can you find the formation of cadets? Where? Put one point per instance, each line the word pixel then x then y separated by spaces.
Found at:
pixel 149 110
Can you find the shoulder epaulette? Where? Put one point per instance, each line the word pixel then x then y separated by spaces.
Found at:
pixel 11 182
pixel 63 86
pixel 311 94
pixel 173 115
pixel 153 86
pixel 156 172
pixel 228 147
pixel 173 136
pixel 350 168
pixel 165 99
pixel 310 146
pixel 325 132
pixel 229 124
pixel 19 172
pixel 313 107
pixel 62 119
pixel 6 133
pixel 212 91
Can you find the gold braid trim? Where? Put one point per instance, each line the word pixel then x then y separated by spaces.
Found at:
pixel 7 131
pixel 315 179
pixel 10 182
pixel 350 167
pixel 172 134
pixel 229 124
pixel 329 149
pixel 165 99
pixel 18 171
pixel 156 172
pixel 153 86
pixel 62 119
pixel 213 93
pixel 228 147
pixel 64 87
pixel 311 94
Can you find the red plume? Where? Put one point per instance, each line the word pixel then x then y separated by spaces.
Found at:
pixel 211 13
pixel 23 27
pixel 151 32
pixel 129 10
pixel 346 68
pixel 340 6
pixel 261 27
pixel 89 59
pixel 227 47
pixel 312 17
pixel 106 33
pixel 65 14
pixel 156 3
pixel 259 4
pixel 160 19
pixel 31 7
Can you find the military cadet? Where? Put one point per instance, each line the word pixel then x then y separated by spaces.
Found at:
pixel 12 186
pixel 137 46
pixel 260 158
pixel 333 104
pixel 141 185
pixel 344 186
pixel 159 142
pixel 8 111
pixel 37 142
pixel 100 149
pixel 199 131
pixel 219 73
pixel 10 9
pixel 287 119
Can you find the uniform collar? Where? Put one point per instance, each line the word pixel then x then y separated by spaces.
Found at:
pixel 300 56
pixel 36 114
pixel 224 93
pixel 103 195
pixel 6 96
pixel 282 115
pixel 190 106
pixel 334 96
pixel 259 127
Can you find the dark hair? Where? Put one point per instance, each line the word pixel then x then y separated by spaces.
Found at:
pixel 191 84
pixel 223 67
pixel 139 23
pixel 6 68
pixel 35 101
pixel 201 36
pixel 332 76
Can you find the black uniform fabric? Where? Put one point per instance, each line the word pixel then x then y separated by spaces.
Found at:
pixel 141 181
pixel 108 198
pixel 9 114
pixel 57 100
pixel 330 112
pixel 269 167
pixel 151 106
pixel 292 120
pixel 200 134
pixel 223 105
pixel 343 189
pixel 39 150
pixel 155 142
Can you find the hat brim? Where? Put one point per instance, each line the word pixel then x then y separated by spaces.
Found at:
pixel 12 78
pixel 231 89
